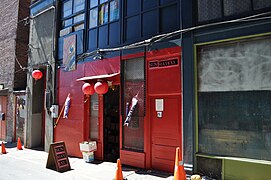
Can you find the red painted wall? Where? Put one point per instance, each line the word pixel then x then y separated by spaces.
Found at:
pixel 70 130
pixel 73 130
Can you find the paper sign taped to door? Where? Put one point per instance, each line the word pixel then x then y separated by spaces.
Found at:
pixel 159 104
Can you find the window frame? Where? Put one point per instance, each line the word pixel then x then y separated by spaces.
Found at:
pixel 158 8
pixel 105 26
pixel 223 17
pixel 142 112
pixel 72 16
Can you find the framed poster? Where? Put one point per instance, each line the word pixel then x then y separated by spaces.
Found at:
pixel 69 53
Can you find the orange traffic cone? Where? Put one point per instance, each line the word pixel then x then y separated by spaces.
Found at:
pixel 118 175
pixel 179 172
pixel 19 144
pixel 3 149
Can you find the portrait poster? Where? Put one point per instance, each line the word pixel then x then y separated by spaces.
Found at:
pixel 69 53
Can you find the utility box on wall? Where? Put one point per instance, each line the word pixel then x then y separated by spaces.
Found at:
pixel 54 111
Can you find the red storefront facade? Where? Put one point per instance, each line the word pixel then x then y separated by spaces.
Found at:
pixel 150 140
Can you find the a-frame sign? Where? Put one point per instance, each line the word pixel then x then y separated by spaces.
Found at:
pixel 58 158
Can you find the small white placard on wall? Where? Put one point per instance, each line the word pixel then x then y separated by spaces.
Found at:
pixel 159 104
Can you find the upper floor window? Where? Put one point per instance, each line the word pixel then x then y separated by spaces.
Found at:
pixel 103 12
pixel 212 10
pixel 146 18
pixel 73 16
pixel 104 25
pixel 73 23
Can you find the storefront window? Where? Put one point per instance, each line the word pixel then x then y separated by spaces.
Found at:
pixel 234 99
pixel 133 132
pixel 94 109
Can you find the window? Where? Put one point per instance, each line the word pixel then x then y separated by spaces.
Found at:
pixel 134 85
pixel 73 22
pixel 103 19
pixel 150 17
pixel 234 98
pixel 211 10
pixel 94 121
pixel 73 16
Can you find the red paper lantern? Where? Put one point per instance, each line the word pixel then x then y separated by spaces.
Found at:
pixel 37 74
pixel 101 87
pixel 88 89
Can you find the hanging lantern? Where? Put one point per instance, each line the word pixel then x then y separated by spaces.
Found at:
pixel 88 89
pixel 101 87
pixel 37 74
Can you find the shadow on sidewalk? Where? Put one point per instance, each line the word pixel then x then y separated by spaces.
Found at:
pixel 11 145
pixel 152 172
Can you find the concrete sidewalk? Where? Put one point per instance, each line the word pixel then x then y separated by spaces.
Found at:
pixel 31 164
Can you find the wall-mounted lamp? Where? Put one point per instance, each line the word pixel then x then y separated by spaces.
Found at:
pixel 2 86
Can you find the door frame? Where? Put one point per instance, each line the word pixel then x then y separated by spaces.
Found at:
pixel 3 127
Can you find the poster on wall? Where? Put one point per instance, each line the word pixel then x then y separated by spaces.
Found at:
pixel 69 53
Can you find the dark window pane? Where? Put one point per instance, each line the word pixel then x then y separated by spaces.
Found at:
pixel 169 19
pixel 209 10
pixel 114 10
pixel 133 7
pixel 92 39
pixel 132 28
pixel 148 4
pixel 60 48
pixel 150 23
pixel 233 7
pixel 260 4
pixel 114 33
pixel 78 5
pixel 93 18
pixel 103 36
pixel 166 1
pixel 93 3
pixel 103 14
pixel 67 8
pixel 79 42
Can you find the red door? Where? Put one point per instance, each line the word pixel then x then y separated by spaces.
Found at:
pixel 166 131
pixel 3 109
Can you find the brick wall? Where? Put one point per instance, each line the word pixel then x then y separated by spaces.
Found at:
pixel 9 40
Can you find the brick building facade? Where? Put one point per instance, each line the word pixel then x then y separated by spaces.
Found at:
pixel 13 49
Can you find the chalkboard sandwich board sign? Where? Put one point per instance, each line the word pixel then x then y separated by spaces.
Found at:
pixel 58 158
